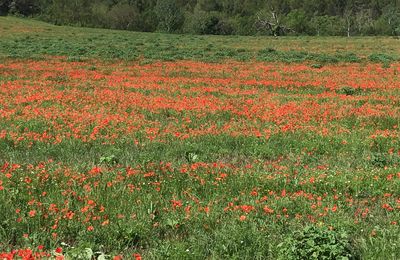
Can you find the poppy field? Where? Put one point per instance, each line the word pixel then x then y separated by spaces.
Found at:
pixel 238 152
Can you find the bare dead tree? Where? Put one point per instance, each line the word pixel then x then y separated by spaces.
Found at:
pixel 272 24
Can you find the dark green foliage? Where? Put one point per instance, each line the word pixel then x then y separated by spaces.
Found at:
pixel 19 7
pixel 269 55
pixel 380 57
pixel 317 243
pixel 348 91
pixel 170 16
pixel 316 66
pixel 128 46
pixel 223 17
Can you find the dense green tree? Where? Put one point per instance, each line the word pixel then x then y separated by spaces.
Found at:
pixel 274 17
pixel 326 25
pixel 4 7
pixel 170 16
pixel 19 7
pixel 391 15
pixel 123 16
pixel 297 20
pixel 210 5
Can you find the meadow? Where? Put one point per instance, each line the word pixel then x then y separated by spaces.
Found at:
pixel 142 145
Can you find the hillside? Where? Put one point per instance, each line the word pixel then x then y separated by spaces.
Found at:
pixel 124 145
pixel 29 38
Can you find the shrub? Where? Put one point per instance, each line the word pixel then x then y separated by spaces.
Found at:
pixel 208 23
pixel 317 243
pixel 123 16
pixel 349 91
pixel 316 66
pixel 380 57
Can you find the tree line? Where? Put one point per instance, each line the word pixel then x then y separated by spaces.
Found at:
pixel 223 17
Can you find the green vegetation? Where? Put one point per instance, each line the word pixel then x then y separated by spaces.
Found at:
pixel 318 243
pixel 172 146
pixel 33 39
pixel 224 17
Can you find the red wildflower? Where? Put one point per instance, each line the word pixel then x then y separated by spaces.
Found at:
pixel 32 213
pixel 176 204
pixel 268 210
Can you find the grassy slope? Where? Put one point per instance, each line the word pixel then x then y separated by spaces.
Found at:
pixel 351 168
pixel 29 38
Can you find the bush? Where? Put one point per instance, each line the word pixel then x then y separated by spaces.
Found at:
pixel 326 25
pixel 297 20
pixel 348 91
pixel 208 23
pixel 380 57
pixel 123 16
pixel 244 25
pixel 170 16
pixel 317 243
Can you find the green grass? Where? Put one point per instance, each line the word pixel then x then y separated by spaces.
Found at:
pixel 224 194
pixel 33 39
